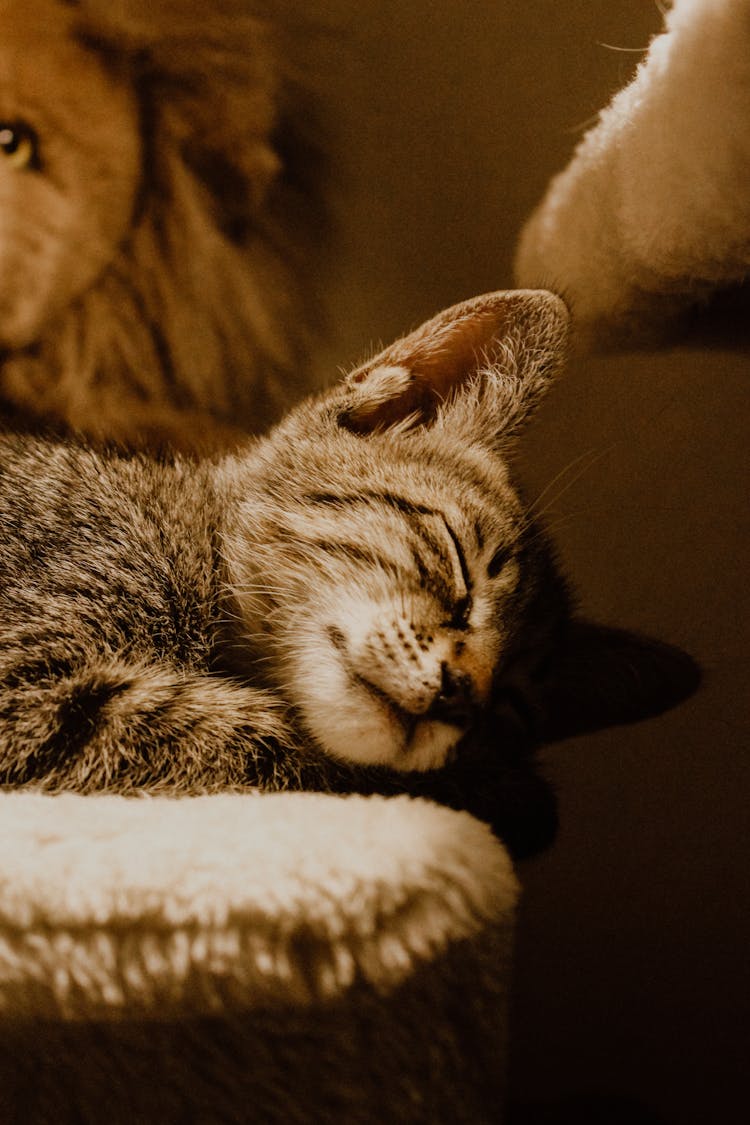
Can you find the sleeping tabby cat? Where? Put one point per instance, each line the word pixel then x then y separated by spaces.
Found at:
pixel 358 601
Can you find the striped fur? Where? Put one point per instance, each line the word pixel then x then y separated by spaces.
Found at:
pixel 341 592
pixel 359 602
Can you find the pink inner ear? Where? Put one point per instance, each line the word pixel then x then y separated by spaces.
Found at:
pixel 441 356
pixel 449 354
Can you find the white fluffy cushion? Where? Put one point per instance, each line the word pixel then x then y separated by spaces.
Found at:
pixel 293 949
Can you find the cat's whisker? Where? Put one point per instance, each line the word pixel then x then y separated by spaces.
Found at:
pixel 585 456
pixel 624 50
pixel 542 534
pixel 247 587
pixel 591 458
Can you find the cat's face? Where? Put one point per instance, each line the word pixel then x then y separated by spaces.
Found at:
pixel 390 568
pixel 395 595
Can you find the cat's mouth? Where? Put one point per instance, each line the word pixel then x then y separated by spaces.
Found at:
pixel 364 709
pixel 428 740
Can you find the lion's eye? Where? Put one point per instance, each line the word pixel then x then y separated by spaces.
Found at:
pixel 19 146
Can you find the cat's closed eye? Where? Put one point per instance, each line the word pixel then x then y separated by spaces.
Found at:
pixel 461 610
pixel 498 561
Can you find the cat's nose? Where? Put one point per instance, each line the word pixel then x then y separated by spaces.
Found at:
pixel 454 700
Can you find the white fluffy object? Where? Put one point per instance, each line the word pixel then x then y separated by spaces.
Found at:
pixel 112 906
pixel 281 959
pixel 653 212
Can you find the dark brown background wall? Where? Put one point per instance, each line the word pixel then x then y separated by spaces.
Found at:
pixel 448 120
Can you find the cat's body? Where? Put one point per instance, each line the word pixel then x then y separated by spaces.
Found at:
pixel 111 609
pixel 354 601
pixel 191 606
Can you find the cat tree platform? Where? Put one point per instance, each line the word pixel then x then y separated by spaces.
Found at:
pixel 243 957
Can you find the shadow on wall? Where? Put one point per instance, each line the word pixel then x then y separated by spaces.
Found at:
pixel 584 1111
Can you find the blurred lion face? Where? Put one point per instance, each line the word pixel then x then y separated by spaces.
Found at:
pixel 70 156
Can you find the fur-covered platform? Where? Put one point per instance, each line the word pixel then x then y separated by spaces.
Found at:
pixel 232 958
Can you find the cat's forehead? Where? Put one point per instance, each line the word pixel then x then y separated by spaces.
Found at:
pixel 419 471
pixel 427 459
pixel 430 465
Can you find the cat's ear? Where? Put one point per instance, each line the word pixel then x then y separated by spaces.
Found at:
pixel 485 362
pixel 608 677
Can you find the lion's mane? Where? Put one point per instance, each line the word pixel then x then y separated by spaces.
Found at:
pixel 196 319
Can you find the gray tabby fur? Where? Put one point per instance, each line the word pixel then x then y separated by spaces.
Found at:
pixel 342 602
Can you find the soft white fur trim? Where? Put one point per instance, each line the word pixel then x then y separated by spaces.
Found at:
pixel 653 210
pixel 114 906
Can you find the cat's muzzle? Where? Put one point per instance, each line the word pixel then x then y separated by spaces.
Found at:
pixel 454 702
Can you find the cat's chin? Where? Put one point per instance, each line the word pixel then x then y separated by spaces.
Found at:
pixel 432 745
pixel 382 740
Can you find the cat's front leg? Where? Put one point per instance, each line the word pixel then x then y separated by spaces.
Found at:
pixel 121 725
